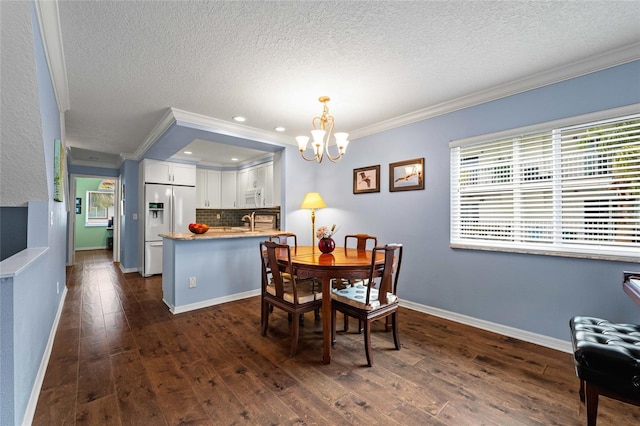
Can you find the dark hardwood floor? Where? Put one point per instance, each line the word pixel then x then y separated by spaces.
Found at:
pixel 121 358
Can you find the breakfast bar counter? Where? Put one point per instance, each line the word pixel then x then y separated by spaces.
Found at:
pixel 200 270
pixel 219 233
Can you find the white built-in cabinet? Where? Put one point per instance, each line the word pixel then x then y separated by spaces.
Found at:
pixel 215 189
pixel 208 189
pixel 228 189
pixel 169 173
pixel 232 186
pixel 242 185
pixel 256 177
pixel 268 185
pixel 260 176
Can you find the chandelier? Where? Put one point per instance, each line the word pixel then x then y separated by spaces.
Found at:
pixel 322 129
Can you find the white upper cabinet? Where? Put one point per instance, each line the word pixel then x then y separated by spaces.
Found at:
pixel 242 186
pixel 207 189
pixel 228 189
pixel 183 174
pixel 169 173
pixel 268 185
pixel 260 176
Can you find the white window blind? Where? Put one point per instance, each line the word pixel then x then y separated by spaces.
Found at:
pixel 565 190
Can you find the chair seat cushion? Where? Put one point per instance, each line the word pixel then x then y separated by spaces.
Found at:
pixel 357 294
pixel 307 290
pixel 340 283
pixel 607 354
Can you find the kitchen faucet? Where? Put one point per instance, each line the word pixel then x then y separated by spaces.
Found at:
pixel 252 220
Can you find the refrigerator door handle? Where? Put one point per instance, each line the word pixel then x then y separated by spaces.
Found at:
pixel 156 244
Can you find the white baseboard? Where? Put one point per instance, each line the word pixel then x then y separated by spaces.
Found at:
pixel 91 248
pixel 127 270
pixel 30 411
pixel 538 339
pixel 211 302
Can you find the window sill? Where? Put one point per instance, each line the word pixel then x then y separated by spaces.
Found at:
pixel 594 256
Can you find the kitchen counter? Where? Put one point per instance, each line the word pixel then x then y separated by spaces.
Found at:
pixel 221 265
pixel 220 233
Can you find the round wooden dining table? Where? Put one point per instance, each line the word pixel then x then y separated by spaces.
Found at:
pixel 347 263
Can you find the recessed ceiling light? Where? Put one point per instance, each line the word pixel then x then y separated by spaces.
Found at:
pixel 239 119
pixel 187 152
pixel 279 129
pixel 234 159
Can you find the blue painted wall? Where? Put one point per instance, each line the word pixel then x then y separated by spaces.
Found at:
pixel 30 301
pixel 529 292
pixel 129 226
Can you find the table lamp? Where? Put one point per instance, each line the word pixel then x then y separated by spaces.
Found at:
pixel 313 201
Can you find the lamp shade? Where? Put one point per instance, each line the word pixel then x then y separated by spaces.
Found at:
pixel 313 200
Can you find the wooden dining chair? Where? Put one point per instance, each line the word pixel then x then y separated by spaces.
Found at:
pixel 367 303
pixel 285 238
pixel 362 240
pixel 362 243
pixel 292 296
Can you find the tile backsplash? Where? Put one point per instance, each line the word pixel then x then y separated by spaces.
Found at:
pixel 232 217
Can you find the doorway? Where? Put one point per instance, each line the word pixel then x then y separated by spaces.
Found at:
pixel 94 222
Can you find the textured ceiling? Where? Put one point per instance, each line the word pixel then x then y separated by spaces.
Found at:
pixel 127 62
pixel 21 135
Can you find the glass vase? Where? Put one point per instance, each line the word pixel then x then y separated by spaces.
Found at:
pixel 326 245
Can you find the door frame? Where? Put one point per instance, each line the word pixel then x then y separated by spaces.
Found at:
pixel 71 231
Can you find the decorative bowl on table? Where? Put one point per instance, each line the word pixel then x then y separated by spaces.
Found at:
pixel 198 228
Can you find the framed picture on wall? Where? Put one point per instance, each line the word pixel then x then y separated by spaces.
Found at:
pixel 366 179
pixel 58 171
pixel 406 175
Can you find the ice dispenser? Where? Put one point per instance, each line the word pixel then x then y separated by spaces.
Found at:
pixel 156 213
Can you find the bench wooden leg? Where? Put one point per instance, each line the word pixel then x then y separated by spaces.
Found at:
pixel 592 393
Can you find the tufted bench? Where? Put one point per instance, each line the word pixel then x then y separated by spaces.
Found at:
pixel 607 359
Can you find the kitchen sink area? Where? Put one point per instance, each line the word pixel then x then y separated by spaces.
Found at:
pixel 222 229
pixel 222 221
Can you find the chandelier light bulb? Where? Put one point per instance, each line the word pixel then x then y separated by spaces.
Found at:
pixel 342 141
pixel 302 142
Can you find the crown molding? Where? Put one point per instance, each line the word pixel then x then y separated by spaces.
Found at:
pixel 209 124
pixel 158 130
pixel 49 23
pixel 593 64
pixel 125 157
pixel 228 128
pixel 98 164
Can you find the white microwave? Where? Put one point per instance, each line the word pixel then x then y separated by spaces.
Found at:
pixel 253 198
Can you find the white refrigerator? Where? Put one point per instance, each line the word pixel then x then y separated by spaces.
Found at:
pixel 167 208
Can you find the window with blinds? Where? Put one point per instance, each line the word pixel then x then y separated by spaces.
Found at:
pixel 565 190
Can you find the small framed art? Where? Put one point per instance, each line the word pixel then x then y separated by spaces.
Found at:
pixel 58 171
pixel 406 175
pixel 366 179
